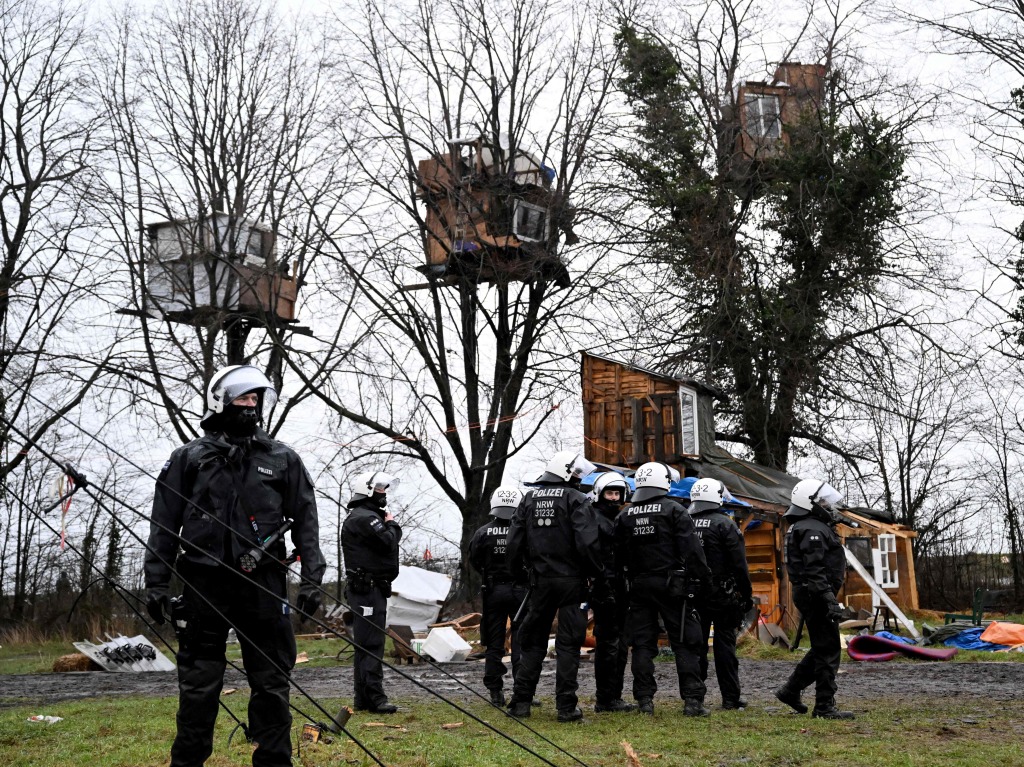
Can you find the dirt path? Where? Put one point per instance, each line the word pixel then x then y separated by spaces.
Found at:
pixel 859 683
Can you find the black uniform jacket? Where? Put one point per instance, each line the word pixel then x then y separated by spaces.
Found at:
pixel 368 543
pixel 221 498
pixel 725 552
pixel 656 536
pixel 488 553
pixel 815 558
pixel 554 533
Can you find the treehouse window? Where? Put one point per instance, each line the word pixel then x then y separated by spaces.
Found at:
pixel 762 116
pixel 886 570
pixel 530 222
pixel 689 443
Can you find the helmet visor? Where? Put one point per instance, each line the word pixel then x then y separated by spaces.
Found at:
pixel 246 380
pixel 581 467
pixel 382 482
pixel 827 497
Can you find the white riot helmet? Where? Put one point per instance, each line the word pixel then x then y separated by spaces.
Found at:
pixel 504 502
pixel 566 466
pixel 610 480
pixel 652 481
pixel 370 482
pixel 706 494
pixel 811 493
pixel 230 383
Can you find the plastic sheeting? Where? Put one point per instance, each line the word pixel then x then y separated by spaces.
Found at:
pixel 416 597
pixel 970 639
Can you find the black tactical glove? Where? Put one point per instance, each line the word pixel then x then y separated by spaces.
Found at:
pixel 603 593
pixel 746 605
pixel 158 605
pixel 835 610
pixel 307 604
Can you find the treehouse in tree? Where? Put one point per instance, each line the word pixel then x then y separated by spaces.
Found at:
pixel 492 214
pixel 218 269
pixel 765 110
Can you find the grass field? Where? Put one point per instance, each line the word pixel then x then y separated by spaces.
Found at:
pixel 136 732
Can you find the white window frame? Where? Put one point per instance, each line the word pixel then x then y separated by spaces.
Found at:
pixel 692 393
pixel 755 115
pixel 515 220
pixel 887 571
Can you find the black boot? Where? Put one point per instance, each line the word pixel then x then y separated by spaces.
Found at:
pixel 827 710
pixel 380 708
pixel 518 708
pixel 570 715
pixel 695 707
pixel 617 706
pixel 497 698
pixel 734 705
pixel 646 706
pixel 791 698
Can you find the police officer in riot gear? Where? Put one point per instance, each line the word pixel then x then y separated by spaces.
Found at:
pixel 609 600
pixel 554 533
pixel 816 563
pixel 504 588
pixel 369 544
pixel 218 499
pixel 661 557
pixel 731 592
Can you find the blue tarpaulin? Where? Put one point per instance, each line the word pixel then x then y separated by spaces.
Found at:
pixel 894 637
pixel 970 639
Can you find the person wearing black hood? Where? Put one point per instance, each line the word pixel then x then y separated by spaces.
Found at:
pixel 554 535
pixel 816 564
pixel 504 589
pixel 610 601
pixel 369 544
pixel 217 500
pixel 731 594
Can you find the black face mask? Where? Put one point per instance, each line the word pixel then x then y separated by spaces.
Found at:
pixel 239 421
pixel 381 499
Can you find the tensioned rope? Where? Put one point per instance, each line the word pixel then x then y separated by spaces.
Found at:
pixel 324 626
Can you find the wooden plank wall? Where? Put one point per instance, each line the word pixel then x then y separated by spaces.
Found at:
pixel 630 417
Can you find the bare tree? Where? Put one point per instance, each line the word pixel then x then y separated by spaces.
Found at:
pixel 456 372
pixel 220 169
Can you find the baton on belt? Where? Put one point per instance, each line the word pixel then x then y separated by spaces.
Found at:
pixel 522 607
pixel 251 559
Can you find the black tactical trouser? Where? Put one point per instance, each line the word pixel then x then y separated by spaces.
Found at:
pixel 265 634
pixel 500 604
pixel 649 599
pixel 548 597
pixel 612 648
pixel 821 663
pixel 369 612
pixel 727 667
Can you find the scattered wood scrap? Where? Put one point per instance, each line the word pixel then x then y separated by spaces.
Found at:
pixel 398 727
pixel 468 622
pixel 452 725
pixel 634 758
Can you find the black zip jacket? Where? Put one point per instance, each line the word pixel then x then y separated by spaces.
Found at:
pixel 724 551
pixel 368 543
pixel 488 553
pixel 554 533
pixel 221 498
pixel 657 536
pixel 815 558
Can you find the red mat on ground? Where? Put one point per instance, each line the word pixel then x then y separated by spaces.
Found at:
pixel 874 648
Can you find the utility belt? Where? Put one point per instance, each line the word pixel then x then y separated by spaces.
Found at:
pixel 362 582
pixel 675 582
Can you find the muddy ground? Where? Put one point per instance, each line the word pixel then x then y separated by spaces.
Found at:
pixel 859 683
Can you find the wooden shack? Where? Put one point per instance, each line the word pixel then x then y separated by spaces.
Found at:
pixel 492 214
pixel 633 415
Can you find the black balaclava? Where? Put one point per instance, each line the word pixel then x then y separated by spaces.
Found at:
pixel 381 499
pixel 238 421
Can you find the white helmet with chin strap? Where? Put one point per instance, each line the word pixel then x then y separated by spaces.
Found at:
pixel 652 481
pixel 706 494
pixel 504 501
pixel 234 381
pixel 370 482
pixel 810 493
pixel 566 466
pixel 610 480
